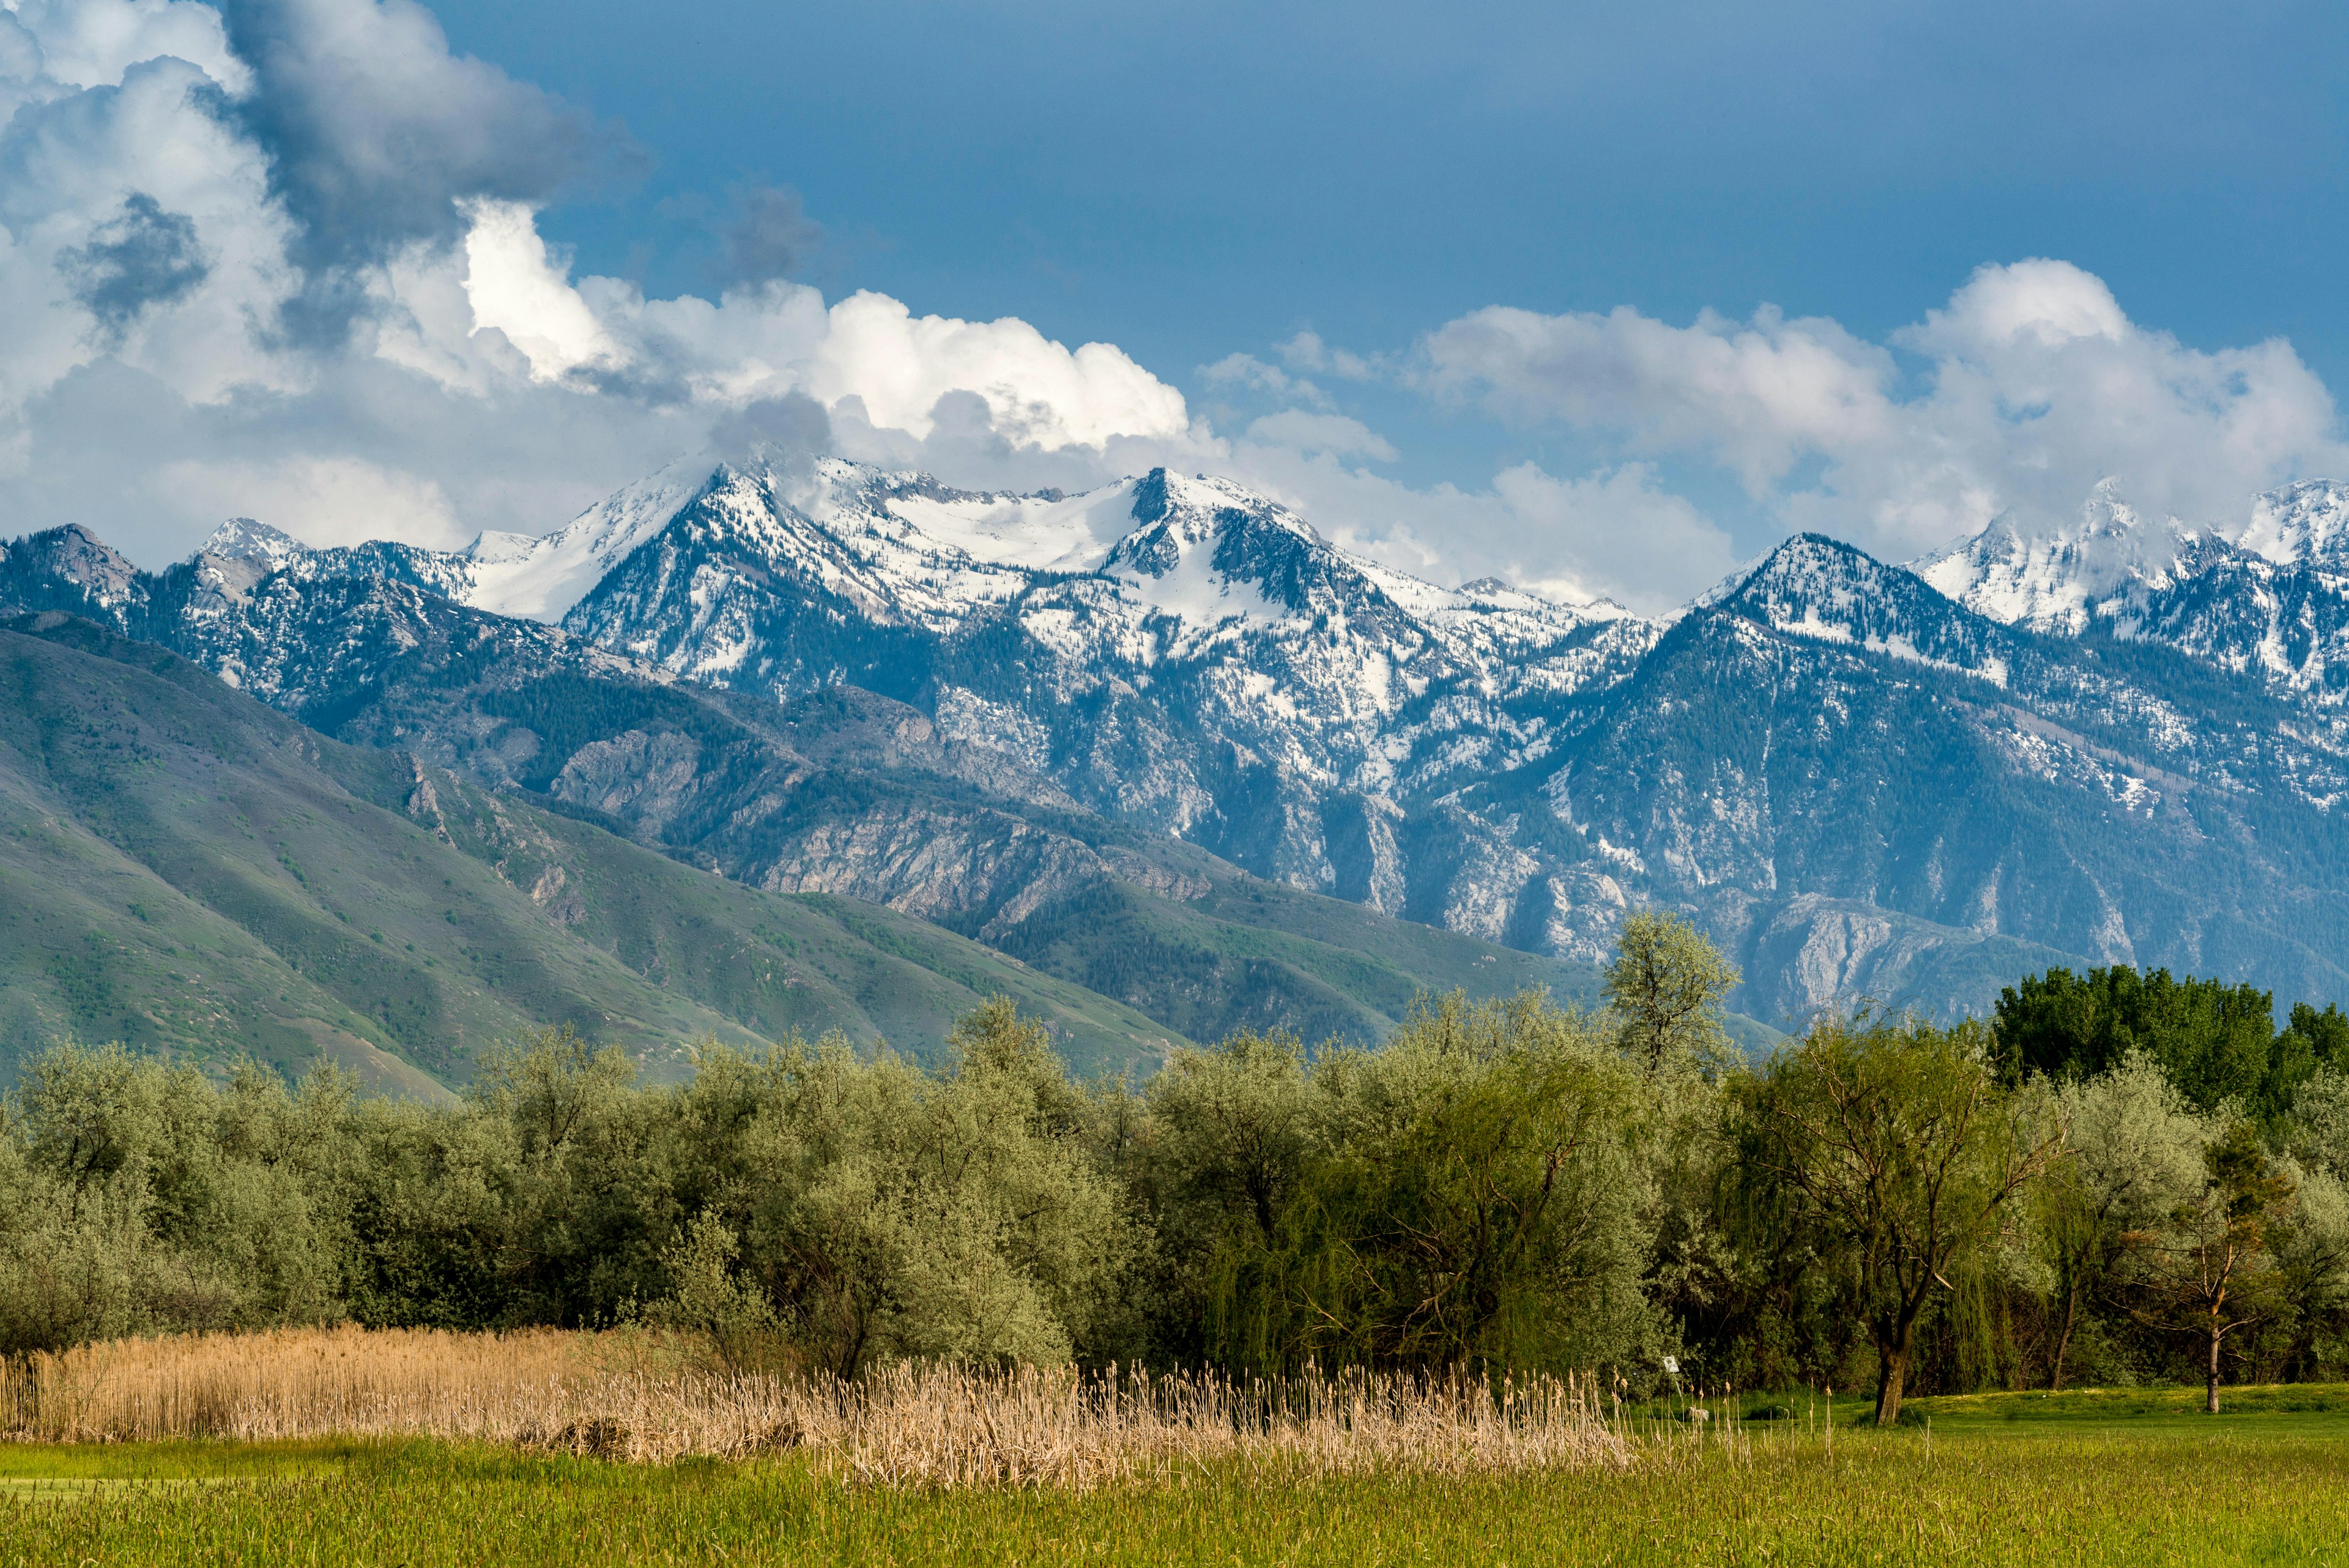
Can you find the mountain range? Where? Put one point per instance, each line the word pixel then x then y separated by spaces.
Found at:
pixel 1165 742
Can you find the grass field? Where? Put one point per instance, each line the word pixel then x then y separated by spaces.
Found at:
pixel 2087 1478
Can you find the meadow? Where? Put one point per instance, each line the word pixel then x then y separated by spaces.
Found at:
pixel 2089 1487
pixel 338 1447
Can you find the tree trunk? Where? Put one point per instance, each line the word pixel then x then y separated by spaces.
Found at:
pixel 1892 1358
pixel 2212 1403
pixel 2064 1339
pixel 1892 1373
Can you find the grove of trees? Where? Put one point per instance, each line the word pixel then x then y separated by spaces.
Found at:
pixel 2120 1178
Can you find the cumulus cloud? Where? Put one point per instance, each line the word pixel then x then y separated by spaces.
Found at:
pixel 376 132
pixel 340 500
pixel 283 258
pixel 2035 387
pixel 516 288
pixel 1614 533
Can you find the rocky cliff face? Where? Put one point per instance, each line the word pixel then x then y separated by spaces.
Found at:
pixel 2120 742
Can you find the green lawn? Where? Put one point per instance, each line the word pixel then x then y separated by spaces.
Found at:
pixel 2081 1480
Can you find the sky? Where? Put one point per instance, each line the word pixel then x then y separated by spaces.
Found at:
pixel 1601 299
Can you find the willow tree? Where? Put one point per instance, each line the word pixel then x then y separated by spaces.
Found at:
pixel 2135 1154
pixel 2208 1268
pixel 1465 1199
pixel 1894 1140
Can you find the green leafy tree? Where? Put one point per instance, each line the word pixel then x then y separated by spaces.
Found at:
pixel 1665 985
pixel 1225 1138
pixel 2134 1152
pixel 2207 1269
pixel 1469 1200
pixel 1900 1150
pixel 712 1297
pixel 2311 1253
pixel 2215 1041
pixel 888 1211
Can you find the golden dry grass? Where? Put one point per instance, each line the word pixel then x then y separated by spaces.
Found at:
pixel 641 1396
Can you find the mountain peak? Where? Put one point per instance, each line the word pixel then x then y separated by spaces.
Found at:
pixel 2054 579
pixel 1150 496
pixel 1810 572
pixel 2306 524
pixel 540 579
pixel 243 539
pixel 80 556
pixel 1825 590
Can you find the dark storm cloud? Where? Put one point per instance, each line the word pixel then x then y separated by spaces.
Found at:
pixel 793 427
pixel 144 256
pixel 375 133
pixel 769 236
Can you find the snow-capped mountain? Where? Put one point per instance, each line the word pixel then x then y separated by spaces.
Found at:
pixel 1181 651
pixel 2058 579
pixel 2303 524
pixel 2118 741
pixel 2272 602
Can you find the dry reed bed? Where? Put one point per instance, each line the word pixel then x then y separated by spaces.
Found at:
pixel 637 1397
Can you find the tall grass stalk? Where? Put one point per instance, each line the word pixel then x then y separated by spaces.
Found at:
pixel 638 1396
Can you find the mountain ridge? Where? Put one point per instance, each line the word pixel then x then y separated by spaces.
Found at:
pixel 1194 661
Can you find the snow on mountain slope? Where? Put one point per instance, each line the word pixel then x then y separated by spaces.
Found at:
pixel 517 574
pixel 243 539
pixel 1823 589
pixel 1046 532
pixel 541 578
pixel 1827 755
pixel 2274 605
pixel 238 556
pixel 2056 579
pixel 1180 650
pixel 2302 524
pixel 1157 570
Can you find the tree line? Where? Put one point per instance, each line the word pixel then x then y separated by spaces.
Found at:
pixel 2119 1178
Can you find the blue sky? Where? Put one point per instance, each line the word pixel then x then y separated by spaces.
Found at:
pixel 1189 182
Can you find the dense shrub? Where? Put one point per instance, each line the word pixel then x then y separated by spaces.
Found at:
pixel 1507 1184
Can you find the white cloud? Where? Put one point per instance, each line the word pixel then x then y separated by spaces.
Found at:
pixel 1305 352
pixel 2036 387
pixel 91 42
pixel 302 278
pixel 1614 532
pixel 1039 392
pixel 778 339
pixel 1333 434
pixel 1759 395
pixel 513 288
pixel 335 501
